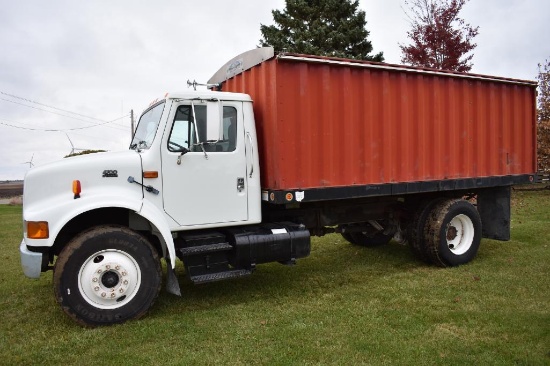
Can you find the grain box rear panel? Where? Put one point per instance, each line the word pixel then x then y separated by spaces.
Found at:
pixel 328 124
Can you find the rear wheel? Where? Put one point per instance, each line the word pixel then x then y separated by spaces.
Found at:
pixel 415 231
pixel 452 233
pixel 107 275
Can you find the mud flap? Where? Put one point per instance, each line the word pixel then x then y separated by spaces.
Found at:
pixel 172 284
pixel 493 205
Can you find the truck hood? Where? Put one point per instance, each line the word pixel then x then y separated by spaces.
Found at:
pixel 98 173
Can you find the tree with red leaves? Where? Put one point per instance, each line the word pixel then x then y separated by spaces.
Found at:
pixel 543 101
pixel 544 91
pixel 439 38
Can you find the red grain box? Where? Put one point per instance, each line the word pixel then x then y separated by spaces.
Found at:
pixel 328 122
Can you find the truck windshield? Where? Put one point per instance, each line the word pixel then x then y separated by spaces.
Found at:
pixel 147 128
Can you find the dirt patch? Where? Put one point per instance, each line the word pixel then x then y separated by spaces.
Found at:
pixel 15 201
pixel 11 189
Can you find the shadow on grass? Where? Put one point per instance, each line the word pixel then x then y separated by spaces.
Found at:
pixel 333 264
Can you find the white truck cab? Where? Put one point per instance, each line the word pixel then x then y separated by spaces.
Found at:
pixel 202 147
pixel 202 172
pixel 192 165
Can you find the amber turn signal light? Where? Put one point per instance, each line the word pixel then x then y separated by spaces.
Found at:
pixel 151 174
pixel 76 189
pixel 38 230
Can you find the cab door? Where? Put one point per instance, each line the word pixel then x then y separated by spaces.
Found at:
pixel 204 183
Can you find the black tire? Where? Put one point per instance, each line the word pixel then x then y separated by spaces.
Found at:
pixel 370 240
pixel 452 233
pixel 107 275
pixel 415 230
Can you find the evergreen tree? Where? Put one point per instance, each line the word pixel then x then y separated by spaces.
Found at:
pixel 320 27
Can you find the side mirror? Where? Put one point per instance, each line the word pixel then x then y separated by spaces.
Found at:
pixel 214 113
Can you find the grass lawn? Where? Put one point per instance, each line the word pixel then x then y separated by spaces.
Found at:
pixel 342 305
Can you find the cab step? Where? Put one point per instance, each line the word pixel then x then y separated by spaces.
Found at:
pixel 204 249
pixel 212 277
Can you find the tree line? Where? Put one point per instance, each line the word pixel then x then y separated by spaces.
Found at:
pixel 438 37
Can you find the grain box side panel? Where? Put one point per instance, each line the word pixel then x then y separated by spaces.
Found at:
pixel 325 125
pixel 406 165
pixel 301 112
pixel 417 127
pixel 505 121
pixel 260 82
pixel 343 146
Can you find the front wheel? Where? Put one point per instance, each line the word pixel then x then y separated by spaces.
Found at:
pixel 107 275
pixel 452 233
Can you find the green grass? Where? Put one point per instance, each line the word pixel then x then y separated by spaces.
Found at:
pixel 341 305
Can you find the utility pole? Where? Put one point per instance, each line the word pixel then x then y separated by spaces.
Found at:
pixel 131 124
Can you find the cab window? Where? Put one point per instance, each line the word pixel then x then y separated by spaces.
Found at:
pixel 184 134
pixel 147 127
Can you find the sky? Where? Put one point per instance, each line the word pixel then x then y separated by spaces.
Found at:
pixel 74 69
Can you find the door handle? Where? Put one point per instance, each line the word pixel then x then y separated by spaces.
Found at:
pixel 240 184
pixel 251 154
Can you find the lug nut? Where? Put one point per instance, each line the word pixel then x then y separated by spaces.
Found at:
pixel 94 279
pixel 125 282
pixel 99 271
pixel 108 267
pixel 117 268
pixel 121 290
pixel 113 294
pixel 124 273
pixel 96 288
pixel 103 294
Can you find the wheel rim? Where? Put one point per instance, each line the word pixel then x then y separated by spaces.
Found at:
pixel 109 279
pixel 460 234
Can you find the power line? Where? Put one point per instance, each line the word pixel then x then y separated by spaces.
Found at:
pixel 51 107
pixel 62 129
pixel 63 115
pixel 19 123
pixel 94 137
pixel 87 136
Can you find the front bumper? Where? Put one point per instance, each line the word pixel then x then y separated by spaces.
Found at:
pixel 31 262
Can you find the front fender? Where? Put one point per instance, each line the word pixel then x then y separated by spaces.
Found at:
pixel 58 211
pixel 157 218
pixel 58 215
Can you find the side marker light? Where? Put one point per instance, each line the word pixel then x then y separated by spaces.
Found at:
pixel 37 230
pixel 151 174
pixel 76 189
